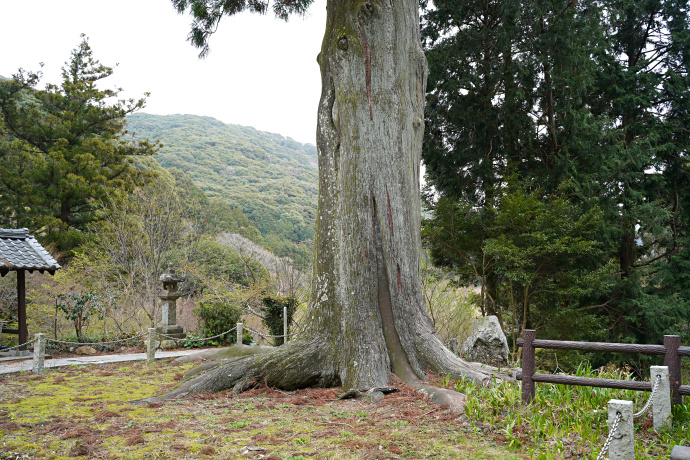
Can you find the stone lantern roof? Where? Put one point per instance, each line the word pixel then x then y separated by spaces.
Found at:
pixel 169 276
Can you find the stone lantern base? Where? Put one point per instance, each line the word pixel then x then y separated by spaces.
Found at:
pixel 171 331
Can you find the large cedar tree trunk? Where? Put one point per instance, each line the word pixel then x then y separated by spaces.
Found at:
pixel 366 315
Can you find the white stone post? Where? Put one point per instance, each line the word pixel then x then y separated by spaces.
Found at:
pixel 622 445
pixel 661 404
pixel 240 333
pixel 285 324
pixel 39 353
pixel 151 345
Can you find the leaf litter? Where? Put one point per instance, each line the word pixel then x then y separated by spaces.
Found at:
pixel 85 413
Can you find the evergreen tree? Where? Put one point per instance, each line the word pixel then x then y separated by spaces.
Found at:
pixel 506 103
pixel 366 315
pixel 63 149
pixel 642 88
pixel 507 94
pixel 585 97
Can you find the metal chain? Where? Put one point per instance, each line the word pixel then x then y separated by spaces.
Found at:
pixel 261 334
pixel 19 346
pixel 96 343
pixel 158 333
pixel 195 340
pixel 604 449
pixel 651 397
pixel 619 416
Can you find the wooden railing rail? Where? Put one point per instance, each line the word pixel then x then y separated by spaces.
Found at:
pixel 671 350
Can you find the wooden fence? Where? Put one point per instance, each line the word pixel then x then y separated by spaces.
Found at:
pixel 671 350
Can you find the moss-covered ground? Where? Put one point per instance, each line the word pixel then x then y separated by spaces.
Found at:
pixel 84 412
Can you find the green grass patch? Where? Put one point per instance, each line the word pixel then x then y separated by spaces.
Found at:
pixel 565 421
pixel 85 412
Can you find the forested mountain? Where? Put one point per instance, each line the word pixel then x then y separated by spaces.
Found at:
pixel 272 179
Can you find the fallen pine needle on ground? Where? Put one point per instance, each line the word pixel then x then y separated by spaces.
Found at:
pixel 84 412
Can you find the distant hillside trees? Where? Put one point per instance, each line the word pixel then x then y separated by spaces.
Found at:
pixel 63 148
pixel 270 179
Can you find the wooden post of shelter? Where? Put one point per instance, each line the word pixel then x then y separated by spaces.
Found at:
pixel 20 252
pixel 21 308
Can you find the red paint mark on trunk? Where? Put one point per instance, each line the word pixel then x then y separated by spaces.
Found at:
pixel 390 213
pixel 367 63
pixel 373 214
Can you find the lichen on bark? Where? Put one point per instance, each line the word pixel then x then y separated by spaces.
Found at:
pixel 366 316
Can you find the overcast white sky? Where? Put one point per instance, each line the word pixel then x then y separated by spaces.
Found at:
pixel 261 72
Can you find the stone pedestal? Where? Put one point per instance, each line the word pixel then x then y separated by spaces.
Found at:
pixel 173 331
pixel 169 296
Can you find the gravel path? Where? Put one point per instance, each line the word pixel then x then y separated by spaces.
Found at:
pixel 9 367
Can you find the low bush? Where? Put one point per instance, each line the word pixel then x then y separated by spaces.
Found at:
pixel 216 317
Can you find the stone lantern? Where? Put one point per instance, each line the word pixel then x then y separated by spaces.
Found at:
pixel 169 296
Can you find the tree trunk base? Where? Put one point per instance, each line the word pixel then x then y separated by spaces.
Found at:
pixel 304 364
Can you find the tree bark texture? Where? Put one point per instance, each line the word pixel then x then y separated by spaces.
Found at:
pixel 366 293
pixel 366 316
pixel 369 136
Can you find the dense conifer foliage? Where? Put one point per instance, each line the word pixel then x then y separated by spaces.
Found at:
pixel 207 14
pixel 63 149
pixel 579 102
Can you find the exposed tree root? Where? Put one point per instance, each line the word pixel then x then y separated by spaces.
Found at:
pixel 444 362
pixel 304 364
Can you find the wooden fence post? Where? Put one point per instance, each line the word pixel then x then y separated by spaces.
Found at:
pixel 528 336
pixel 23 332
pixel 672 360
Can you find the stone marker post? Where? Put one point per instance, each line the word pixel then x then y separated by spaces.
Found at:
pixel 622 444
pixel 169 296
pixel 151 345
pixel 240 333
pixel 661 404
pixel 39 353
pixel 285 325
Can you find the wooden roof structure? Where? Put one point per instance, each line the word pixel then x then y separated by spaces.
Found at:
pixel 20 252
